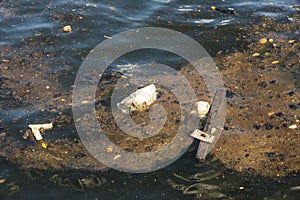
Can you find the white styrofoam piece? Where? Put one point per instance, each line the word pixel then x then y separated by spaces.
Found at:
pixel 202 108
pixel 141 99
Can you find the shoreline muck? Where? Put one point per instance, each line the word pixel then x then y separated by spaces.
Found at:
pixel 261 132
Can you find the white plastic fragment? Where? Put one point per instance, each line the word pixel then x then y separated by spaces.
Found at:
pixel 293 126
pixel 117 157
pixel 200 135
pixel 67 29
pixel 213 130
pixel 107 37
pixel 202 108
pixel 39 129
pixel 138 100
pixel 295 187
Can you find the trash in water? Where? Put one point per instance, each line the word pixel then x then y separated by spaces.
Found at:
pixel 2 134
pixel 295 187
pixel 107 37
pixel 293 126
pixel 202 108
pixel 275 62
pixel 227 10
pixel 291 41
pixel 117 156
pixel 109 149
pixel 44 145
pixel 139 100
pixel 263 41
pixel 37 130
pixel 67 29
pixel 200 135
pixel 296 7
pixel 5 60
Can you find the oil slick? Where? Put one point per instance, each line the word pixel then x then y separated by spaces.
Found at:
pixel 139 100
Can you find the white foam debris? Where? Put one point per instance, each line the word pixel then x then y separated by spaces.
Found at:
pixel 293 126
pixel 138 100
pixel 202 108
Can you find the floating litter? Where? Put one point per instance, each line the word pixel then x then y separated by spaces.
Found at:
pixel 202 108
pixel 139 100
pixel 67 29
pixel 44 145
pixel 37 130
pixel 263 41
pixel 256 54
pixel 293 126
pixel 200 135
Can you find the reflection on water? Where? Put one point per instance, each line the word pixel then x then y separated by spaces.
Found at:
pixel 185 179
pixel 91 21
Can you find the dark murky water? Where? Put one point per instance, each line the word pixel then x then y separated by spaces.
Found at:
pixel 91 21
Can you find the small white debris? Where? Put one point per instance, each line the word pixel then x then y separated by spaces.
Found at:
pixel 107 37
pixel 67 29
pixel 293 126
pixel 295 187
pixel 138 100
pixel 202 108
pixel 200 135
pixel 213 130
pixel 109 149
pixel 117 156
pixel 2 135
pixel 38 130
pixel 85 102
pixel 2 180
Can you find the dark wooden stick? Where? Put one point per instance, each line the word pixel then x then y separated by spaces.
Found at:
pixel 214 124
